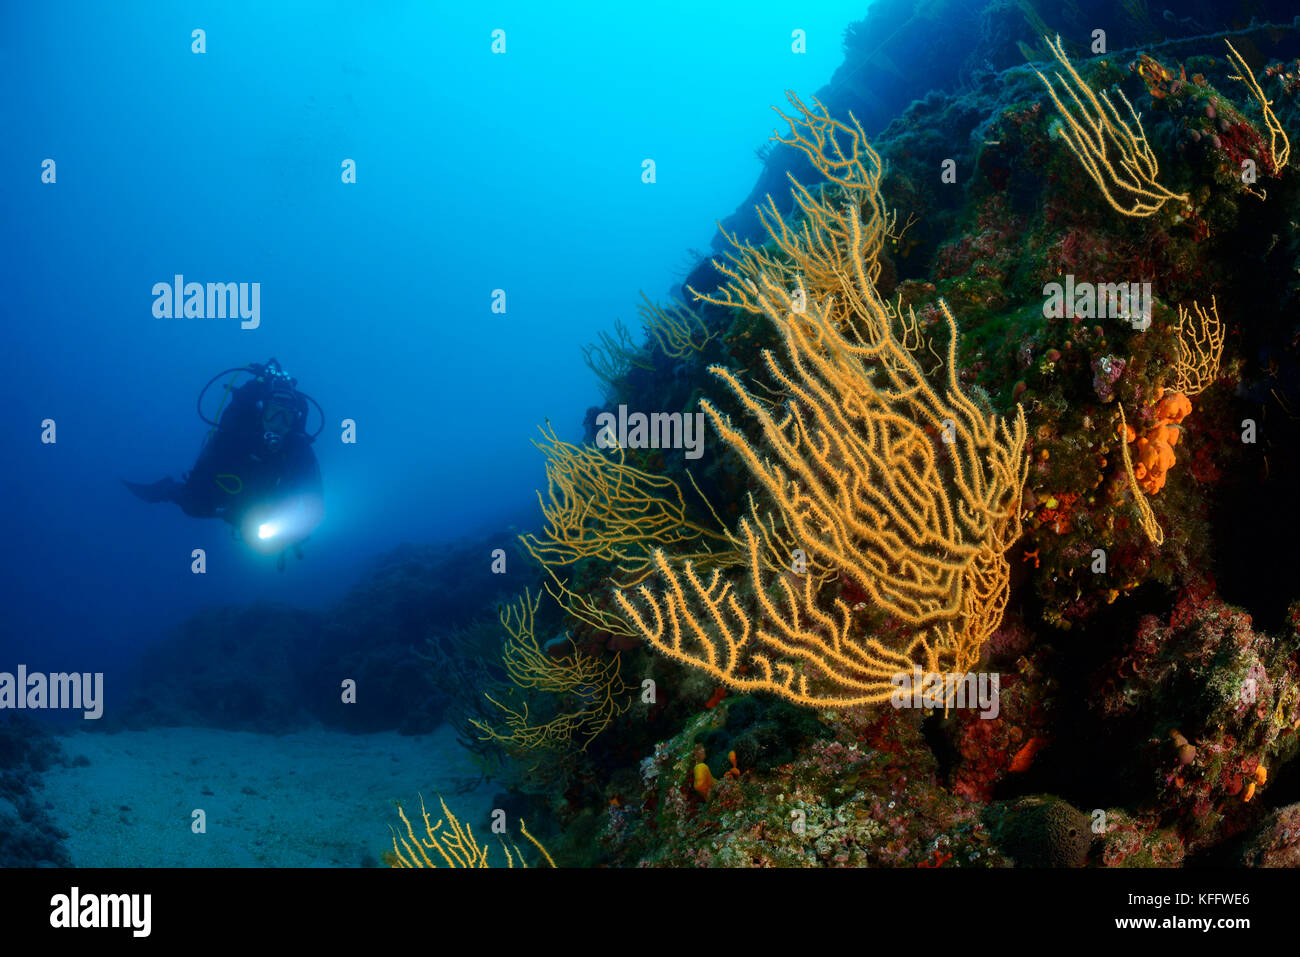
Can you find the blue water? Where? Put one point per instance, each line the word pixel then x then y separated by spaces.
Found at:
pixel 474 172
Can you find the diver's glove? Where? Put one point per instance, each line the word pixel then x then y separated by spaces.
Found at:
pixel 164 490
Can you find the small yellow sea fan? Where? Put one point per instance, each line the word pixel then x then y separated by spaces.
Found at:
pixel 1112 150
pixel 453 843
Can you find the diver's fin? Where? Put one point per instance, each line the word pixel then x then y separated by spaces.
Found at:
pixel 160 491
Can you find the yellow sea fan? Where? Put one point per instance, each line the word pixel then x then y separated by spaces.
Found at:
pixel 448 843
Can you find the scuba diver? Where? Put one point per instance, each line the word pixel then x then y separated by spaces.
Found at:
pixel 256 469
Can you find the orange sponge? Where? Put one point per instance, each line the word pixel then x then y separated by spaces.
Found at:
pixel 703 780
pixel 1172 407
pixel 1154 460
pixel 1155 449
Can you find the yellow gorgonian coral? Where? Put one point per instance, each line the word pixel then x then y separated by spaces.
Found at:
pixel 1146 515
pixel 910 495
pixel 614 356
pixel 587 691
pixel 448 843
pixel 780 640
pixel 598 506
pixel 678 331
pixel 811 255
pixel 1280 155
pixel 1111 150
pixel 900 487
pixel 1200 348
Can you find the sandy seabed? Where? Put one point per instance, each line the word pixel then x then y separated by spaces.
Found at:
pixel 308 799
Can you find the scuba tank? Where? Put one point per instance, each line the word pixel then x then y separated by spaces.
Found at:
pixel 267 518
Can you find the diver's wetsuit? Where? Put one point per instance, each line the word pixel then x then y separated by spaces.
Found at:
pixel 235 469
